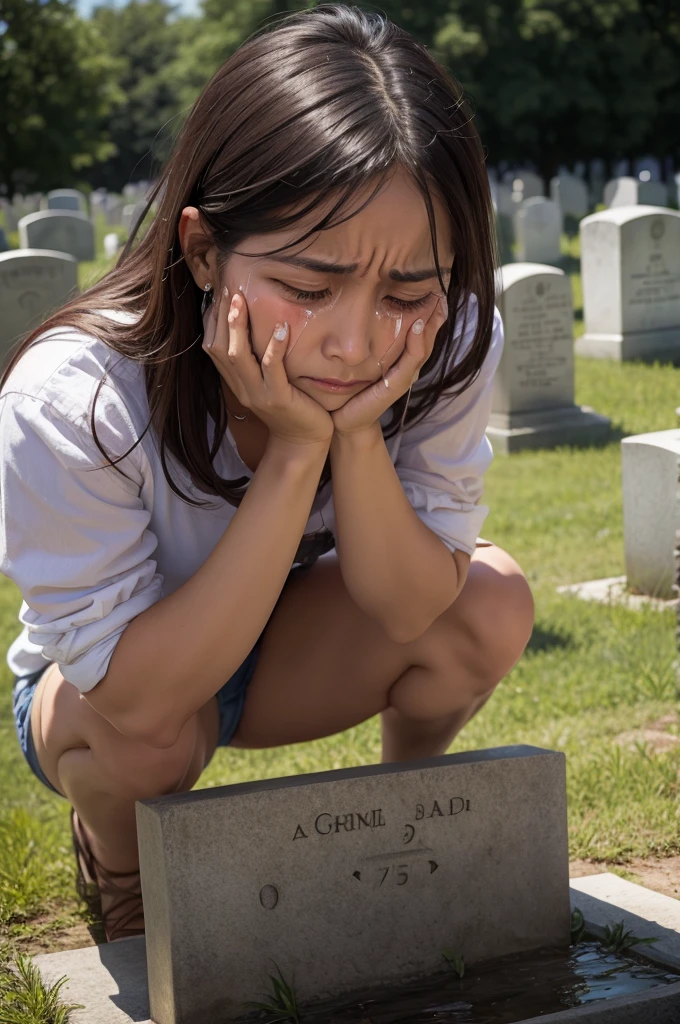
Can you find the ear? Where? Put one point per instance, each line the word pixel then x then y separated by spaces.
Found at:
pixel 200 254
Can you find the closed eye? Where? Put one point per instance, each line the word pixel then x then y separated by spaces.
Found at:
pixel 303 296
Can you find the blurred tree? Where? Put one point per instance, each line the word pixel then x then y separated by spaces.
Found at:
pixel 57 84
pixel 556 81
pixel 144 37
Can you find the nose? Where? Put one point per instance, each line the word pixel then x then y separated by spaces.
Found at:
pixel 351 334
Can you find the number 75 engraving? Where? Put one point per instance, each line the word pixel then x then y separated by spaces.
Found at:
pixel 401 872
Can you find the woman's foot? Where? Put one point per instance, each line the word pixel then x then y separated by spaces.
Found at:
pixel 114 896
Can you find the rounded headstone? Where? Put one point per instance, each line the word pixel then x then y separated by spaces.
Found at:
pixel 62 231
pixel 33 283
pixel 65 199
pixel 539 228
pixel 630 268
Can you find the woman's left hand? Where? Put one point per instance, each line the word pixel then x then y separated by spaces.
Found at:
pixel 366 408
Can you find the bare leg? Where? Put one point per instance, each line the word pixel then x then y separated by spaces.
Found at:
pixel 102 773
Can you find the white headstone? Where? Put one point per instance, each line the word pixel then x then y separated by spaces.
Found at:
pixel 630 269
pixel 62 231
pixel 528 183
pixel 633 192
pixel 647 168
pixel 33 283
pixel 111 245
pixel 533 400
pixel 571 195
pixel 65 199
pixel 651 510
pixel 538 225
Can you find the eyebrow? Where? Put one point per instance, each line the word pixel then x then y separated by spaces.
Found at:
pixel 321 267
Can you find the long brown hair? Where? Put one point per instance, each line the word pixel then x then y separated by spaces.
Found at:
pixel 319 103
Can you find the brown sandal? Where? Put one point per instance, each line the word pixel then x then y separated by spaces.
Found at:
pixel 118 905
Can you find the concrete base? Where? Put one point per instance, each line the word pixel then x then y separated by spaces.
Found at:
pixel 646 346
pixel 612 590
pixel 111 981
pixel 547 428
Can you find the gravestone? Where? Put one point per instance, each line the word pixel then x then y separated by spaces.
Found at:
pixel 632 192
pixel 526 182
pixel 59 230
pixel 65 199
pixel 501 197
pixel 350 879
pixel 4 244
pixel 651 510
pixel 33 283
pixel 538 225
pixel 132 215
pixel 114 211
pixel 630 267
pixel 533 400
pixel 111 245
pixel 647 168
pixel 571 195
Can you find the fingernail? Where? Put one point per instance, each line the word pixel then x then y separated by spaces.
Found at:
pixel 233 312
pixel 418 326
pixel 280 331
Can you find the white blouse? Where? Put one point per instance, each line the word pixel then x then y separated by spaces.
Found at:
pixel 89 548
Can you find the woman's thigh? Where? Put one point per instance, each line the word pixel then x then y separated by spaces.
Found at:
pixel 324 665
pixel 62 720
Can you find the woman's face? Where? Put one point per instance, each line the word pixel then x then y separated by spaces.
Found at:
pixel 342 291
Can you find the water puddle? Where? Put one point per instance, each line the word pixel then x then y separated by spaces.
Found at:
pixel 503 991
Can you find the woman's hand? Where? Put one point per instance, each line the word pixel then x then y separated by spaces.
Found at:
pixel 365 409
pixel 289 414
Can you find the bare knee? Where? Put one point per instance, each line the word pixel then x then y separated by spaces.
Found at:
pixel 497 617
pixel 138 771
pixel 70 737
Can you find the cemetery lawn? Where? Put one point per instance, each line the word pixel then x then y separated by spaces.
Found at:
pixel 597 682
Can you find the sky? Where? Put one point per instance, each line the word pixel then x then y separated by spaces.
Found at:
pixel 85 6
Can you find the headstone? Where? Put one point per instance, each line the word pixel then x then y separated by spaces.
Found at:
pixel 62 231
pixel 65 199
pixel 33 283
pixel 350 879
pixel 651 510
pixel 597 182
pixel 4 244
pixel 674 189
pixel 538 225
pixel 630 269
pixel 647 168
pixel 533 400
pixel 571 195
pixel 111 245
pixel 132 215
pixel 114 211
pixel 528 183
pixel 633 192
pixel 501 197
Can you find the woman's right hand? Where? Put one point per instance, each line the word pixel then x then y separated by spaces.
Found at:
pixel 289 414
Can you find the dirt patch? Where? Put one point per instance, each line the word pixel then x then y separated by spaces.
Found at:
pixel 660 875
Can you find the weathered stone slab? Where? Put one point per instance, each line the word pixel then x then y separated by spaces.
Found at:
pixel 538 223
pixel 350 878
pixel 65 199
pixel 33 283
pixel 651 510
pixel 533 401
pixel 607 899
pixel 630 264
pixel 59 230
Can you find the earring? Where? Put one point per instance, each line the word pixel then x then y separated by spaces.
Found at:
pixel 207 298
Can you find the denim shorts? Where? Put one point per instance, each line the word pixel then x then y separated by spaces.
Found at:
pixel 231 699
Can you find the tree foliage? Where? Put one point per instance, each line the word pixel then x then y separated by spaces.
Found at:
pixel 58 86
pixel 551 81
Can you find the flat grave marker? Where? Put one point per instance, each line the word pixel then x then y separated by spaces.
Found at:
pixel 350 878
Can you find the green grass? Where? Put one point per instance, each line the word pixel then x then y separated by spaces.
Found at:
pixel 591 673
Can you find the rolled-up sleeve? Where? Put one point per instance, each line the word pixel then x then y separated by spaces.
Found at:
pixel 73 532
pixel 442 460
